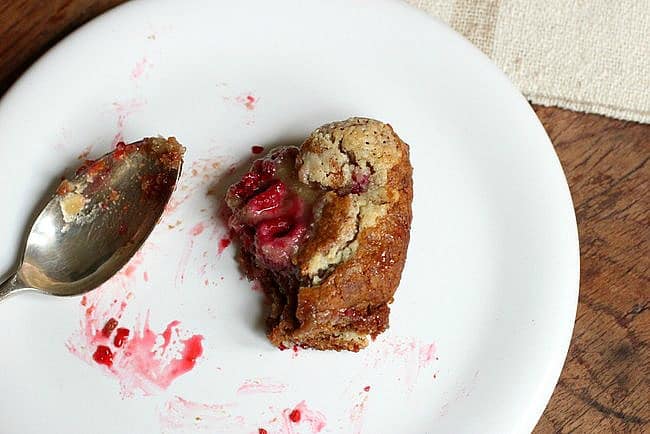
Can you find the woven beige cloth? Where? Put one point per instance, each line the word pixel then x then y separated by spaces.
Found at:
pixel 585 55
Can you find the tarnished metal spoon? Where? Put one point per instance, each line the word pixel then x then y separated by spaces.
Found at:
pixel 98 220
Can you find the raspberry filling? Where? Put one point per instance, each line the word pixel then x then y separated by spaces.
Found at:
pixel 360 180
pixel 271 210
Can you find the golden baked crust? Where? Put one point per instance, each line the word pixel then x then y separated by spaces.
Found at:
pixel 347 269
pixel 367 266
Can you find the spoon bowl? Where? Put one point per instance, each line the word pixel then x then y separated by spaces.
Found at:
pixel 98 220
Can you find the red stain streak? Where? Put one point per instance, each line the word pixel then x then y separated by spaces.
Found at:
pixel 427 354
pixel 358 410
pixel 100 306
pixel 145 363
pixel 193 350
pixel 131 267
pixel 257 149
pixel 139 358
pixel 223 245
pixel 145 276
pixel 188 259
pixel 167 334
pixel 123 110
pixel 197 229
pixel 357 413
pixel 139 68
pixel 202 174
pixel 130 270
pixel 179 414
pixel 183 263
pixel 409 354
pixel 301 413
pixel 261 386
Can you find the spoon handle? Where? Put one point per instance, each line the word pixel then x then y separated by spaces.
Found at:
pixel 13 283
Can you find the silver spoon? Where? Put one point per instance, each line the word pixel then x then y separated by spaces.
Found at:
pixel 98 220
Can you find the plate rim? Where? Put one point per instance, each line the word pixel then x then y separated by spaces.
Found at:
pixel 547 388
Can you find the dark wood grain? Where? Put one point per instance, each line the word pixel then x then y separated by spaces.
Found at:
pixel 29 27
pixel 605 384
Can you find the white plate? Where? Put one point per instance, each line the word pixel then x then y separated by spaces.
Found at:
pixel 482 319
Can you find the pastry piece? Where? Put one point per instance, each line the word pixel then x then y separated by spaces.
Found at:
pixel 325 228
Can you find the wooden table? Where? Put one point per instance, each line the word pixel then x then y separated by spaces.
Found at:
pixel 605 385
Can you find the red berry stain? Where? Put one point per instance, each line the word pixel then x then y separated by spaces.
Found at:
pixel 262 431
pixel 150 362
pixel 223 245
pixel 250 102
pixel 167 334
pixel 366 389
pixel 282 347
pixel 103 355
pixel 306 416
pixel 121 336
pixel 295 416
pixel 109 327
pixel 193 350
pixel 295 348
pixel 130 269
pixel 197 229
pixel 257 149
